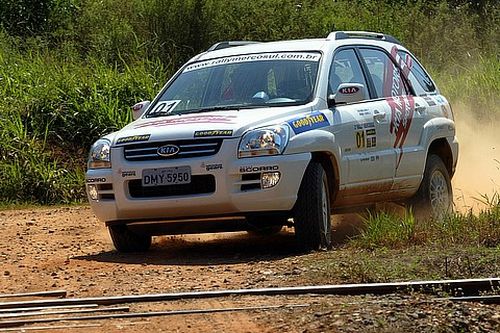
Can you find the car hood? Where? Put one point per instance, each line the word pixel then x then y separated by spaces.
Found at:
pixel 208 124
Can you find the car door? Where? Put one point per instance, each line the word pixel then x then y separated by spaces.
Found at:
pixel 367 159
pixel 401 130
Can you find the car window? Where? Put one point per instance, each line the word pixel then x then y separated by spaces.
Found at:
pixel 345 69
pixel 385 75
pixel 246 81
pixel 419 78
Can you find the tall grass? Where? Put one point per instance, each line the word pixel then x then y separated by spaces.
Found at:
pixel 51 110
pixel 475 83
pixel 390 230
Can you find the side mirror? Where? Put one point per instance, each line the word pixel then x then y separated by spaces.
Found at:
pixel 139 109
pixel 348 93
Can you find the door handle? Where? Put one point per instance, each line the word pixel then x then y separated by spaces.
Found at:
pixel 379 116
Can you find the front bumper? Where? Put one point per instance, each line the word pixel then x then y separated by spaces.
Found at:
pixel 234 193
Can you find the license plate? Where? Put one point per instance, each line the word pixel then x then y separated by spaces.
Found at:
pixel 166 176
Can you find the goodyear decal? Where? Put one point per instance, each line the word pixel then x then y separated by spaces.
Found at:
pixel 133 138
pixel 210 133
pixel 309 122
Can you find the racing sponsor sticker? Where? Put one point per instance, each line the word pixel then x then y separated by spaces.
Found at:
pixel 95 180
pixel 309 122
pixel 133 138
pixel 211 133
pixel 394 83
pixel 372 158
pixel 402 110
pixel 198 119
pixel 128 173
pixel 294 56
pixel 263 168
pixel 164 107
pixel 429 100
pixel 440 99
pixel 213 166
pixel 366 139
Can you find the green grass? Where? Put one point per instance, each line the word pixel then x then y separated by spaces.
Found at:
pixel 474 83
pixel 391 247
pixel 52 110
pixel 352 265
pixel 393 231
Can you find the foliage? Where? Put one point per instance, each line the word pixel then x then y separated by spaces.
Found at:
pixel 390 230
pixel 70 69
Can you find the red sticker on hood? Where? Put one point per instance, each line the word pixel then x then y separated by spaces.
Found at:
pixel 176 120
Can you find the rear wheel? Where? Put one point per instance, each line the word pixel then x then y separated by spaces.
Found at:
pixel 127 241
pixel 434 198
pixel 313 229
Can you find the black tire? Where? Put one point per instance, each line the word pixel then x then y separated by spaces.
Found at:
pixel 434 197
pixel 313 230
pixel 127 241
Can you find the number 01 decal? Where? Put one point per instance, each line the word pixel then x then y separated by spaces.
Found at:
pixel 165 107
pixel 360 139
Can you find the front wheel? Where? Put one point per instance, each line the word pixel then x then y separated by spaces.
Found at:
pixel 313 230
pixel 127 241
pixel 434 198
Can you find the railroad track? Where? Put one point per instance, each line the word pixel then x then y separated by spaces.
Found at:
pixel 99 308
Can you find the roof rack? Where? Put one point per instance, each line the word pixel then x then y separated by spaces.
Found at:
pixel 226 44
pixel 337 35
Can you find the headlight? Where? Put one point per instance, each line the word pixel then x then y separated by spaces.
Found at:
pixel 264 141
pixel 100 155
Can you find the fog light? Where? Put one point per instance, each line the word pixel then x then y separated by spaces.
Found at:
pixel 92 189
pixel 270 179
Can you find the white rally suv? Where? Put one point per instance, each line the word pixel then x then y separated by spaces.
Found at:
pixel 254 136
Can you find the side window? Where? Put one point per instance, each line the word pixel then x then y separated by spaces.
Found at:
pixel 345 69
pixel 419 78
pixel 385 75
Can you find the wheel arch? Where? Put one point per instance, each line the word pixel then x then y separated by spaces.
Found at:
pixel 441 148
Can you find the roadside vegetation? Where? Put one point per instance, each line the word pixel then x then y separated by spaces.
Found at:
pixel 71 69
pixel 396 247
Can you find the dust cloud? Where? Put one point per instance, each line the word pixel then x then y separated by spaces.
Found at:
pixel 478 169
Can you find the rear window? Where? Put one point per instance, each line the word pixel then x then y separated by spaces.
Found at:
pixel 419 78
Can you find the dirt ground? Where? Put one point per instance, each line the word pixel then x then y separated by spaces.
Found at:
pixel 67 248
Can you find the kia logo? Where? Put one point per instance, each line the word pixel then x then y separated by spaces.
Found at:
pixel 167 150
pixel 349 90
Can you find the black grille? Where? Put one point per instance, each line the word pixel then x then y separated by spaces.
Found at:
pixel 200 184
pixel 187 148
pixel 252 186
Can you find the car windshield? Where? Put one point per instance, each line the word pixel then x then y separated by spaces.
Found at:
pixel 237 82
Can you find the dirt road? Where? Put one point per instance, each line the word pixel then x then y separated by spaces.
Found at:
pixel 67 248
